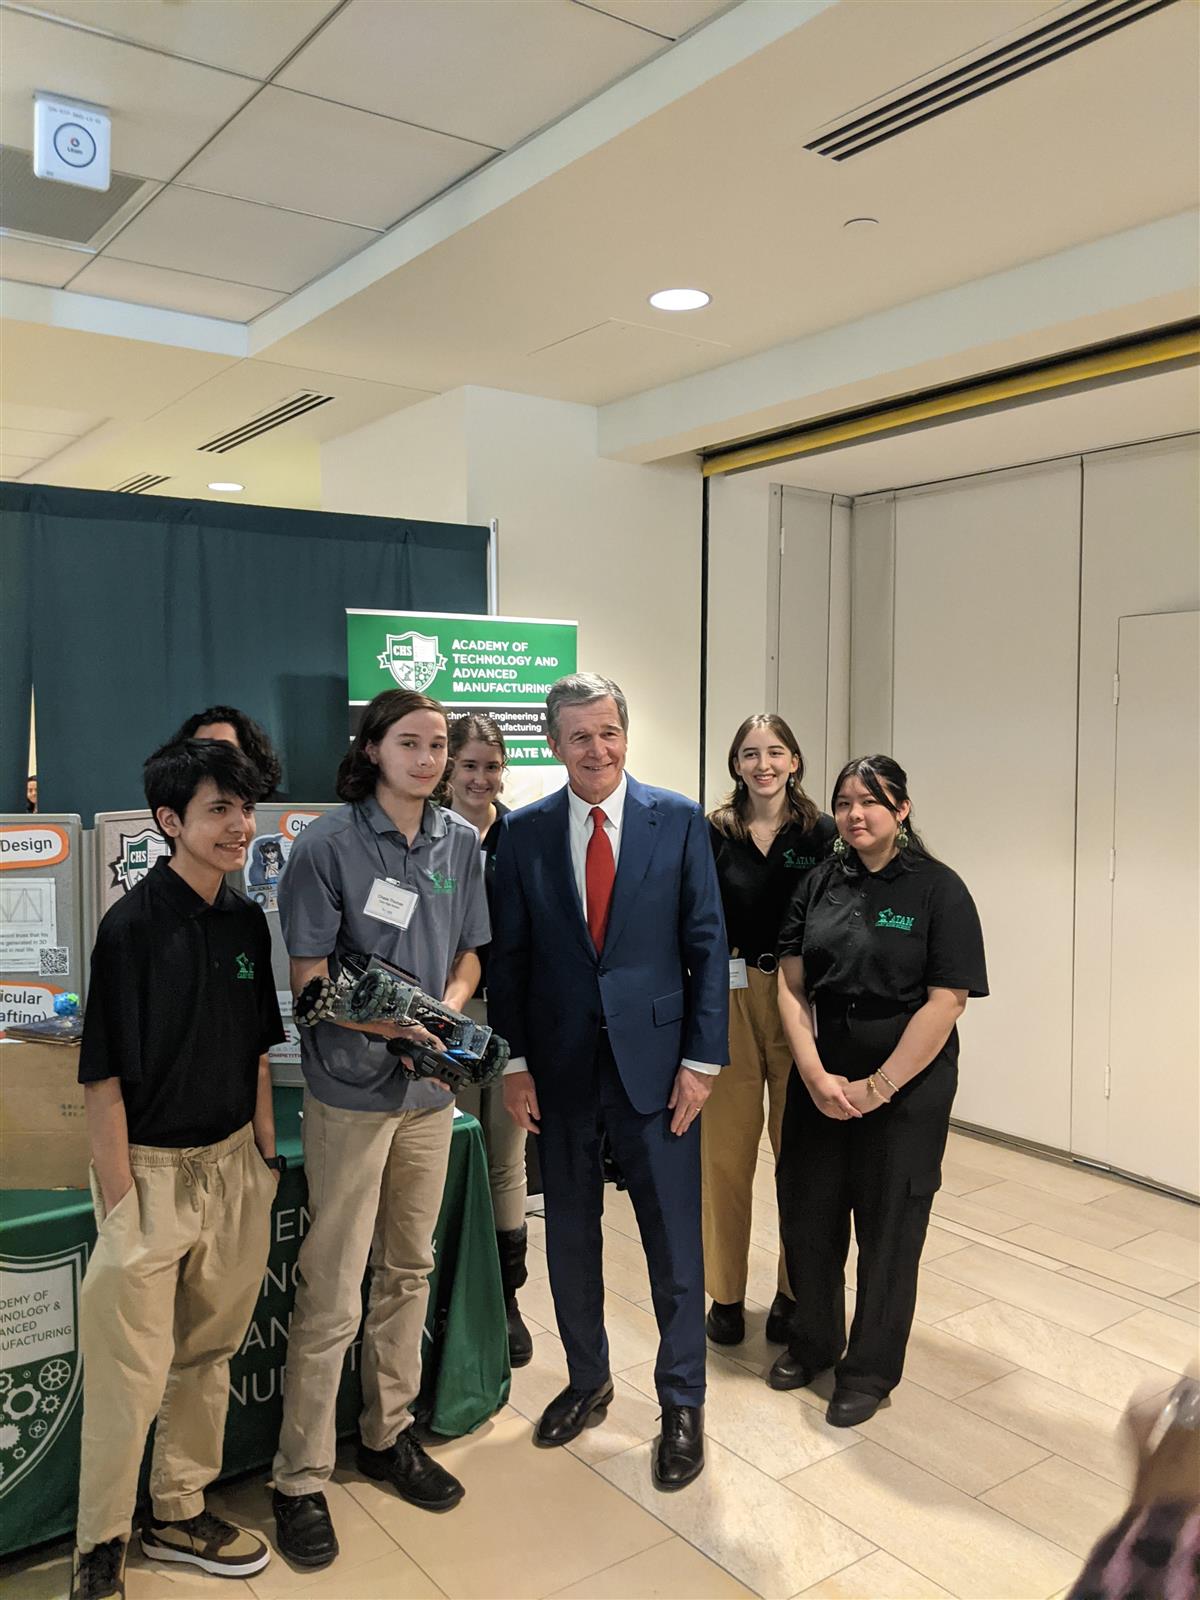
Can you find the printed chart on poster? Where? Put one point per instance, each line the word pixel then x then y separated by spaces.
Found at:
pixel 42 951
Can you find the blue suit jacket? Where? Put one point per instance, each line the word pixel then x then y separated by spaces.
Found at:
pixel 661 983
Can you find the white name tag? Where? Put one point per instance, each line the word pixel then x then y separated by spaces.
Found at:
pixel 737 974
pixel 391 902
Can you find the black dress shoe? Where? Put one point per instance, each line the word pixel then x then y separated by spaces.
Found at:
pixel 849 1407
pixel 569 1413
pixel 304 1529
pixel 415 1476
pixel 788 1373
pixel 679 1452
pixel 779 1319
pixel 725 1324
pixel 520 1340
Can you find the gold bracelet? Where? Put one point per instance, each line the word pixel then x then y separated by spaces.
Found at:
pixel 871 1089
pixel 887 1080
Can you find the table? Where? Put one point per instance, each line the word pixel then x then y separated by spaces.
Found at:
pixel 45 1238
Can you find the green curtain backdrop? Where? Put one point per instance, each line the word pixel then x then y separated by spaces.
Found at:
pixel 128 612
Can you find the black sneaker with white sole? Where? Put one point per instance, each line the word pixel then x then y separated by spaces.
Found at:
pixel 208 1542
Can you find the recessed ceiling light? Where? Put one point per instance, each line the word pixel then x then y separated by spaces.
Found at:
pixel 861 222
pixel 680 299
pixel 227 488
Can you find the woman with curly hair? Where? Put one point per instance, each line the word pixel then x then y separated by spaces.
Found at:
pixel 228 725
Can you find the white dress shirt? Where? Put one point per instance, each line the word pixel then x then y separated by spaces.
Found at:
pixel 579 830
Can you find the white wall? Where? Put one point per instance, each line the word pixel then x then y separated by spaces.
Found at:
pixel 984 646
pixel 613 545
pixel 412 463
pixel 743 540
pixel 1140 554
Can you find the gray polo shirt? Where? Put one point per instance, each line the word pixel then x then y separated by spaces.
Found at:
pixel 322 892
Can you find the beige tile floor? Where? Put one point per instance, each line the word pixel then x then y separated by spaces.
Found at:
pixel 1049 1294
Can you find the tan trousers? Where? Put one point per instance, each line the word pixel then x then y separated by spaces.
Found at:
pixel 730 1130
pixel 375 1182
pixel 504 1141
pixel 168 1294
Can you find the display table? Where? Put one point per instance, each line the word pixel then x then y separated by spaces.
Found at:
pixel 45 1238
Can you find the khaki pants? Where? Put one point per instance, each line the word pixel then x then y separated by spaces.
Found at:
pixel 375 1182
pixel 731 1127
pixel 504 1140
pixel 169 1292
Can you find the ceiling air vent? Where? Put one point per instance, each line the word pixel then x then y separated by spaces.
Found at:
pixel 60 213
pixel 286 411
pixel 140 485
pixel 1023 53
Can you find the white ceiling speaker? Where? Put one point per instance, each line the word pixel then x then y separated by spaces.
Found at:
pixel 72 141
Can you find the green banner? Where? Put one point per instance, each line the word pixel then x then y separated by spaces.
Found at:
pixel 499 666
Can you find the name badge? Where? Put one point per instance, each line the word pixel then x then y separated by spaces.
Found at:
pixel 737 973
pixel 391 902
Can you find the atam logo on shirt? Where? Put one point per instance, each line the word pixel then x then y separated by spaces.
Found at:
pixel 792 858
pixel 892 919
pixel 245 967
pixel 442 883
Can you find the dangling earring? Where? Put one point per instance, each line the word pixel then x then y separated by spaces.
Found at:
pixel 902 839
pixel 791 782
pixel 840 847
pixel 739 783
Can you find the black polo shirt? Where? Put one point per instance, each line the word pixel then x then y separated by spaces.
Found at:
pixel 181 1005
pixel 756 888
pixel 488 846
pixel 885 936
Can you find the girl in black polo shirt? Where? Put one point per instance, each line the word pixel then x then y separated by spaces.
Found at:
pixel 766 838
pixel 878 953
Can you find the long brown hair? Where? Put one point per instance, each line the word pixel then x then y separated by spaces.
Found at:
pixel 358 775
pixel 732 816
pixel 475 728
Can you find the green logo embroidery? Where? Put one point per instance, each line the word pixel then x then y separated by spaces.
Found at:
pixel 792 859
pixel 892 919
pixel 245 967
pixel 442 884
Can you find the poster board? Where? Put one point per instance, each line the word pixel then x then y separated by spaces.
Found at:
pixel 42 947
pixel 499 666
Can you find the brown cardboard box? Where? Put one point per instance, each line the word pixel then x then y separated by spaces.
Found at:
pixel 43 1134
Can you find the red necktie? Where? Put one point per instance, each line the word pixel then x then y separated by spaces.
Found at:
pixel 599 872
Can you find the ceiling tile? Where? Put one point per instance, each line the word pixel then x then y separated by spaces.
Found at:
pixel 47 419
pixel 248 36
pixel 292 150
pixel 24 442
pixel 163 110
pixel 247 244
pixel 174 291
pixel 488 70
pixel 25 262
pixel 17 466
pixel 673 18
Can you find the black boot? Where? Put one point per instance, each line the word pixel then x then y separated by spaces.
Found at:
pixel 513 1273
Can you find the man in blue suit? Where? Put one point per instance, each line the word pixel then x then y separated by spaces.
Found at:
pixel 608 975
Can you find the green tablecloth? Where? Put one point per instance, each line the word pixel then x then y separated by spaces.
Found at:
pixel 45 1237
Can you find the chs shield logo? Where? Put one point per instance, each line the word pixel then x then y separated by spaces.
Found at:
pixel 138 853
pixel 40 1369
pixel 412 659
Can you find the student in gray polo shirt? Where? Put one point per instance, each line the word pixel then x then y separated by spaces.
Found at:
pixel 375 1143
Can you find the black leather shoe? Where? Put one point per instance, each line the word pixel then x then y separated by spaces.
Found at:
pixel 304 1529
pixel 788 1373
pixel 679 1451
pixel 415 1476
pixel 520 1340
pixel 569 1413
pixel 779 1319
pixel 849 1407
pixel 725 1324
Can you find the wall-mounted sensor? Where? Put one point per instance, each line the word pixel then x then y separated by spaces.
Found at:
pixel 72 141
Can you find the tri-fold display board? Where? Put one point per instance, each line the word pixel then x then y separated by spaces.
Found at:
pixel 43 949
pixel 57 880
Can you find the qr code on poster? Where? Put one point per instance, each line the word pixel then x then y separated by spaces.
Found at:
pixel 54 961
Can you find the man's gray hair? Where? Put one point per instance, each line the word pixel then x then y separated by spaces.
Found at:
pixel 580 689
